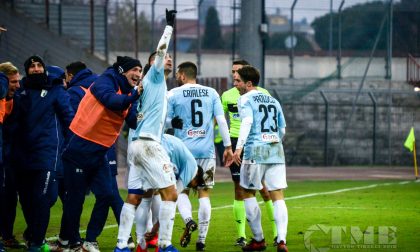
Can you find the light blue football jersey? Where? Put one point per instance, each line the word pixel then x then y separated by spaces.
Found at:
pixel 184 162
pixel 197 106
pixel 152 108
pixel 263 144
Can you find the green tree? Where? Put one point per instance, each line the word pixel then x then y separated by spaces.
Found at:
pixel 144 29
pixel 406 35
pixel 212 34
pixel 121 28
pixel 361 23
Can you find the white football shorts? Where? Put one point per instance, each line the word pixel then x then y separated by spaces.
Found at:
pixel 274 176
pixel 150 166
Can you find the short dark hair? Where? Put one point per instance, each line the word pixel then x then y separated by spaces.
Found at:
pixel 249 73
pixel 146 69
pixel 189 69
pixel 151 57
pixel 240 62
pixel 75 67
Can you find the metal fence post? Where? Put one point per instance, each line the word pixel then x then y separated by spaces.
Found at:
pixel 372 97
pixel 292 34
pixel 327 107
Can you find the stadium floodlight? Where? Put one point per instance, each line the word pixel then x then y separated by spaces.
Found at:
pixel 416 89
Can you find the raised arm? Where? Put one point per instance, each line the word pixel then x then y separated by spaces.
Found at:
pixel 163 44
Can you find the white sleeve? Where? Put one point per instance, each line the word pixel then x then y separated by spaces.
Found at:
pixel 282 132
pixel 223 129
pixel 164 40
pixel 244 132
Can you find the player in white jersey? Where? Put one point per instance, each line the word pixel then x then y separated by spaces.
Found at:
pixel 146 153
pixel 191 111
pixel 260 138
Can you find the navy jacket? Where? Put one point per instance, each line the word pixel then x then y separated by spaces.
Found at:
pixel 4 87
pixel 10 135
pixel 86 153
pixel 43 116
pixel 84 78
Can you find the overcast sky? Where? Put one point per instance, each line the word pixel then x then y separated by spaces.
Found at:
pixel 309 9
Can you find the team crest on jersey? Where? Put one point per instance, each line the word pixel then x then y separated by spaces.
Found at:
pixel 44 92
pixel 167 168
pixel 196 133
pixel 270 138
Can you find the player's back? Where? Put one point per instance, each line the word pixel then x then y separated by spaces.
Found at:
pixel 268 119
pixel 196 105
pixel 181 157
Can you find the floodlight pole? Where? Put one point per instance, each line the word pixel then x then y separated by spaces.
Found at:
pixel 106 30
pixel 47 13
pixel 388 62
pixel 292 34
pixel 92 27
pixel 152 37
pixel 330 47
pixel 339 41
pixel 264 34
pixel 174 39
pixel 136 33
pixel 199 38
pixel 234 31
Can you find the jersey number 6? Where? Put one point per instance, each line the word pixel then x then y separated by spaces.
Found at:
pixel 195 104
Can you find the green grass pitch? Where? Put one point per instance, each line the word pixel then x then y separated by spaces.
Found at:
pixel 329 215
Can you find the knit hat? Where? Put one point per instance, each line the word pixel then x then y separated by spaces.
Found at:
pixel 56 72
pixel 125 63
pixel 32 59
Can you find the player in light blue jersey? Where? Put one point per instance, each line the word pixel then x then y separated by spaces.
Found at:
pixel 191 111
pixel 260 138
pixel 185 166
pixel 186 173
pixel 146 154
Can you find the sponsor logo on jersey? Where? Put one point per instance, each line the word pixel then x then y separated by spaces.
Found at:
pixel 235 116
pixel 270 138
pixel 196 133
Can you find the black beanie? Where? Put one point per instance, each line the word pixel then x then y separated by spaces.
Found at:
pixel 32 59
pixel 125 63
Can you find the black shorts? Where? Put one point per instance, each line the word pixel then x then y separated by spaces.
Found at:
pixel 235 170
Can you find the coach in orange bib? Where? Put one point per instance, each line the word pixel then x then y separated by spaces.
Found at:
pixel 96 127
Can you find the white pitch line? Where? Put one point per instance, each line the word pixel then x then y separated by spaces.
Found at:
pixel 354 208
pixel 292 198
